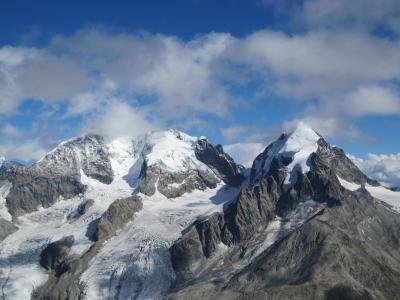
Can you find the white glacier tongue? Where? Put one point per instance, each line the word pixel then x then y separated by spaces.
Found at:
pixel 296 148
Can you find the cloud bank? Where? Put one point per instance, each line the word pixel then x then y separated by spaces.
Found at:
pixel 382 167
pixel 337 66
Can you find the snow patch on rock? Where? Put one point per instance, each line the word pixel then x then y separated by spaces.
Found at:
pixel 351 186
pixel 295 148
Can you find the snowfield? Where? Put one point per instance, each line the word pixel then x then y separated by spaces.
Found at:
pixel 386 195
pixel 379 192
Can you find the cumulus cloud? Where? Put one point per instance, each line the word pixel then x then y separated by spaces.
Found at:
pixel 181 77
pixel 341 74
pixel 118 119
pixel 356 13
pixel 382 167
pixel 338 14
pixel 372 100
pixel 12 131
pixel 25 150
pixel 244 153
pixel 233 132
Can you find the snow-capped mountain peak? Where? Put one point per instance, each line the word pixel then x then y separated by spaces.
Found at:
pixel 291 150
pixel 172 149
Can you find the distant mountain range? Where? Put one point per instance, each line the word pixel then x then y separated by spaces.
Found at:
pixel 170 216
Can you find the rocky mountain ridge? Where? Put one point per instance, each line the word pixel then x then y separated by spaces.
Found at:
pixel 168 215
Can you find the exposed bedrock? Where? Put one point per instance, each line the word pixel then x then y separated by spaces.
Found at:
pixel 175 184
pixel 220 162
pixel 82 209
pixel 116 216
pixel 6 228
pixel 54 255
pixel 349 251
pixel 30 191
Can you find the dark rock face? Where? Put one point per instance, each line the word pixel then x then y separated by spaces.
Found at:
pixel 187 255
pixel 116 216
pixel 82 209
pixel 253 209
pixel 174 184
pixel 6 228
pixel 29 191
pixel 220 162
pixel 54 255
pixel 337 161
pixel 349 250
pixel 343 292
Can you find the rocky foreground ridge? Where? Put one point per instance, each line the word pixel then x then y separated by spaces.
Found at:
pixel 173 216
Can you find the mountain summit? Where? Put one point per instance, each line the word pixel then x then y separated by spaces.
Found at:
pixel 172 216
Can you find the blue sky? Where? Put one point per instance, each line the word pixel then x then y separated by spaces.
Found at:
pixel 236 71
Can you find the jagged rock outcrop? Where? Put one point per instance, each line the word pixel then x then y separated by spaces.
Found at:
pixel 82 209
pixel 220 162
pixel 335 252
pixel 6 228
pixel 54 255
pixel 175 184
pixel 116 216
pixel 31 190
pixel 340 252
pixel 337 161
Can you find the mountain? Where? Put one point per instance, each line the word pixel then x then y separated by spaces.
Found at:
pixel 7 164
pixel 171 216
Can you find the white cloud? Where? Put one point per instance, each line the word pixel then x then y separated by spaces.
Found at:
pixel 180 76
pixel 319 63
pixel 233 132
pixel 371 100
pixel 355 13
pixel 117 119
pixel 27 150
pixel 33 73
pixel 344 75
pixel 12 131
pixel 244 153
pixel 382 167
